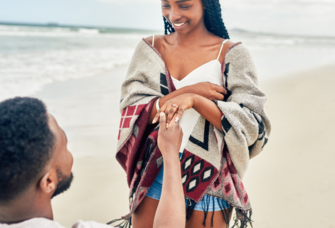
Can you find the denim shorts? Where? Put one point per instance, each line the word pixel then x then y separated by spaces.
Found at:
pixel 207 203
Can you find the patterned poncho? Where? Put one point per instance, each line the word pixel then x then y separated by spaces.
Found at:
pixel 213 162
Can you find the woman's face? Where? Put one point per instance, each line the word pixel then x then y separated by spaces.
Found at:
pixel 183 15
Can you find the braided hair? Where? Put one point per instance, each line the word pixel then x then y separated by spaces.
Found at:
pixel 212 18
pixel 168 27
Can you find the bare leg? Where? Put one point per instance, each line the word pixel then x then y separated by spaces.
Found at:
pixel 197 219
pixel 144 215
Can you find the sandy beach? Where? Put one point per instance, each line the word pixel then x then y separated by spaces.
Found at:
pixel 88 111
pixel 291 183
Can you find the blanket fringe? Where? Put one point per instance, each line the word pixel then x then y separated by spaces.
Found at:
pixel 124 223
pixel 205 207
pixel 242 219
pixel 226 212
pixel 190 208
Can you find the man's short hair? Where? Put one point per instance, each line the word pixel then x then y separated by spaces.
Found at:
pixel 26 144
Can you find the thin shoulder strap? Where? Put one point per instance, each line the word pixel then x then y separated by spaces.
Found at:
pixel 225 41
pixel 153 41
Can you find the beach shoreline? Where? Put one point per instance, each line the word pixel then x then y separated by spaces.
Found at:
pixel 283 182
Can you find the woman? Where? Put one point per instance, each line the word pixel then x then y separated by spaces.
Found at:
pixel 209 84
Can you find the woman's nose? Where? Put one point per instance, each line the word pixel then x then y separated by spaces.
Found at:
pixel 174 15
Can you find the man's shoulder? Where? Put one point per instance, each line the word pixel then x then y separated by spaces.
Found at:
pixel 47 223
pixel 34 223
pixel 90 224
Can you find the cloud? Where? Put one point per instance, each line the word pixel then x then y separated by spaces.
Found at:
pixel 277 3
pixel 248 2
pixel 251 3
pixel 326 5
pixel 283 16
pixel 127 1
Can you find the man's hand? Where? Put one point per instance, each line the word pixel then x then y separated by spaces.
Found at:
pixel 171 208
pixel 169 138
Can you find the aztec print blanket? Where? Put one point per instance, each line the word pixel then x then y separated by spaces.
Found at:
pixel 213 162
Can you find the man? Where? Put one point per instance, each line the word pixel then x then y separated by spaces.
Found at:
pixel 35 166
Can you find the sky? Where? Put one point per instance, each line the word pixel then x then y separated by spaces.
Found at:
pixel 301 17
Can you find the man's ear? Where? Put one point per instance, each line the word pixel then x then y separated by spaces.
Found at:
pixel 48 183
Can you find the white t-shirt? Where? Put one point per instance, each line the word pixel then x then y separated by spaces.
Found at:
pixel 46 223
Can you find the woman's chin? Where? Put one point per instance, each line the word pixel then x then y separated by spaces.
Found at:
pixel 181 28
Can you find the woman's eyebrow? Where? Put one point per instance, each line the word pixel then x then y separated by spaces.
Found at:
pixel 183 1
pixel 179 1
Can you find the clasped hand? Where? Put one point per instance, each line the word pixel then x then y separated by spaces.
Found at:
pixel 175 107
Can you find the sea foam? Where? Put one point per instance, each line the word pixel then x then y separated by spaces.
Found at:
pixel 33 56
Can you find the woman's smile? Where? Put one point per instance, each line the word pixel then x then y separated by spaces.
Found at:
pixel 179 26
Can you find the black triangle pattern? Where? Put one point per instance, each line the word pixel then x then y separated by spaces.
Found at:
pixel 225 73
pixel 164 85
pixel 225 125
pixel 204 144
pixel 261 130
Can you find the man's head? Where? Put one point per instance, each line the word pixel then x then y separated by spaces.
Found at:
pixel 34 159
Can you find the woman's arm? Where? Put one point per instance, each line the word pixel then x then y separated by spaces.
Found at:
pixel 163 100
pixel 208 109
pixel 206 90
pixel 175 108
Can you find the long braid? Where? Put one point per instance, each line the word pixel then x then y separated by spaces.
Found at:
pixel 168 27
pixel 212 18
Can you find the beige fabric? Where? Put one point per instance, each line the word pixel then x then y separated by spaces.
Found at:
pixel 244 110
pixel 246 127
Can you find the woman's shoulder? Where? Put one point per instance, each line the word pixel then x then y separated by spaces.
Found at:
pixel 149 39
pixel 239 58
pixel 147 42
pixel 238 50
pixel 156 40
pixel 227 45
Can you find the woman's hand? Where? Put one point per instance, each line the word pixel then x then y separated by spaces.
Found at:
pixel 208 90
pixel 176 106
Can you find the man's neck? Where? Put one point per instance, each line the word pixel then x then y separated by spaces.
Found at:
pixel 26 207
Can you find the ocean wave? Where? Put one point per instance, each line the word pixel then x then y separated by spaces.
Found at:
pixel 25 74
pixel 42 31
pixel 33 56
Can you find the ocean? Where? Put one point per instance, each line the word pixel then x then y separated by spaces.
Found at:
pixel 32 56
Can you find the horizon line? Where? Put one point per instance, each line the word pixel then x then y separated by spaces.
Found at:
pixel 56 24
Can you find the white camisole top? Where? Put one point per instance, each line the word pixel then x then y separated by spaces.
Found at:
pixel 208 72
